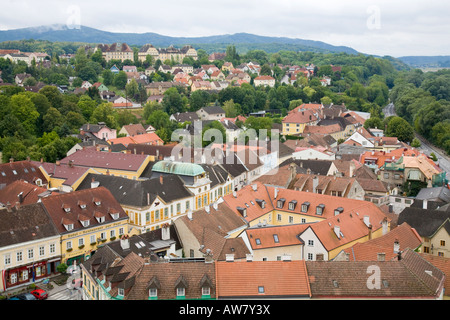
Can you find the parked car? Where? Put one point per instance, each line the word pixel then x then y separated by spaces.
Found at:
pixel 40 294
pixel 25 296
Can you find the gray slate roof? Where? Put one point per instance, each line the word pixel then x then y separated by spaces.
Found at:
pixel 139 193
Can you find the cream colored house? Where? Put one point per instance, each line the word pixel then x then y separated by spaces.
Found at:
pixel 29 245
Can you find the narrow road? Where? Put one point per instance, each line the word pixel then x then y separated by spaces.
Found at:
pixel 427 148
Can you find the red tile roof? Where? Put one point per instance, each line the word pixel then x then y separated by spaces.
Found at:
pixel 106 160
pixel 29 193
pixel 305 116
pixel 242 279
pixel 55 205
pixel 368 251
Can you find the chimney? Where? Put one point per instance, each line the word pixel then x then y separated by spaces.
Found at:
pixel 315 183
pixel 124 242
pixel 381 256
pixel 235 194
pixel 249 257
pixel 255 187
pixel 189 215
pixel 8 207
pixel 71 163
pixel 229 257
pixel 215 206
pixel 94 184
pixel 11 160
pixel 370 232
pixel 207 209
pixel 17 205
pixel 161 179
pixel 276 193
pixel 424 204
pixel 20 196
pixel 165 232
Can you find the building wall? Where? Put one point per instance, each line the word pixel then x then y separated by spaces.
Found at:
pixel 439 245
pixel 82 241
pixel 9 254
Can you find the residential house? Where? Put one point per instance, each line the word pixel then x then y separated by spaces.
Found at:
pixel 217 56
pixel 158 88
pixel 384 248
pixel 63 177
pixel 101 87
pixel 264 81
pixel 86 85
pixel 317 153
pixel 211 113
pixel 408 277
pixel 85 219
pixel 20 78
pixel 115 163
pixel 347 128
pixel 275 243
pixel 114 69
pixel 200 85
pixel 132 129
pixel 21 170
pixel 132 69
pixel 346 187
pixel 191 279
pixel 29 245
pixel 145 138
pixel 163 152
pixel 432 225
pixel 211 233
pixel 227 66
pixel 262 280
pixel 184 116
pixel 99 130
pixel 21 193
pixel 294 123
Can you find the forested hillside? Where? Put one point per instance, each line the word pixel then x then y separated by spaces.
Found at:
pixel 42 124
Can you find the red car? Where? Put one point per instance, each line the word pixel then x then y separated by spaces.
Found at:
pixel 40 294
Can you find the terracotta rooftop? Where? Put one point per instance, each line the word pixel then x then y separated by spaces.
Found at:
pixel 22 192
pixel 262 279
pixel 106 160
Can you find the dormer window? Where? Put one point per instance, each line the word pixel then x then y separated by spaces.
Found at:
pixel 114 215
pixel 280 203
pixel 85 223
pixel 242 211
pixel 261 203
pixel 66 208
pixel 100 219
pixel 319 209
pixel 82 205
pixel 305 206
pixel 338 211
pixel 69 227
pixel 292 204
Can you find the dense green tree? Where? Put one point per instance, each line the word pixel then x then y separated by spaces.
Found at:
pixel 120 80
pixel 400 128
pixel 52 120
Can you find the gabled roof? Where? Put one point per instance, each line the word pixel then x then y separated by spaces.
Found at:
pixel 286 235
pixel 427 222
pixel 302 116
pixel 134 129
pixel 275 279
pixel 25 223
pixel 140 193
pixel 67 206
pixel 106 160
pixel 406 236
pixel 351 226
pixel 22 192
pixel 20 170
pixel 165 276
pixel 408 278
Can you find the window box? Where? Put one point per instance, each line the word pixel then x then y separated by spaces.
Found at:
pixel 81 247
pixel 69 249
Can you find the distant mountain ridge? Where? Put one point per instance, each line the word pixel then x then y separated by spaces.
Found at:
pixel 63 33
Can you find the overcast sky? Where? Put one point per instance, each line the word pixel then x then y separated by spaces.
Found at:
pixel 396 28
